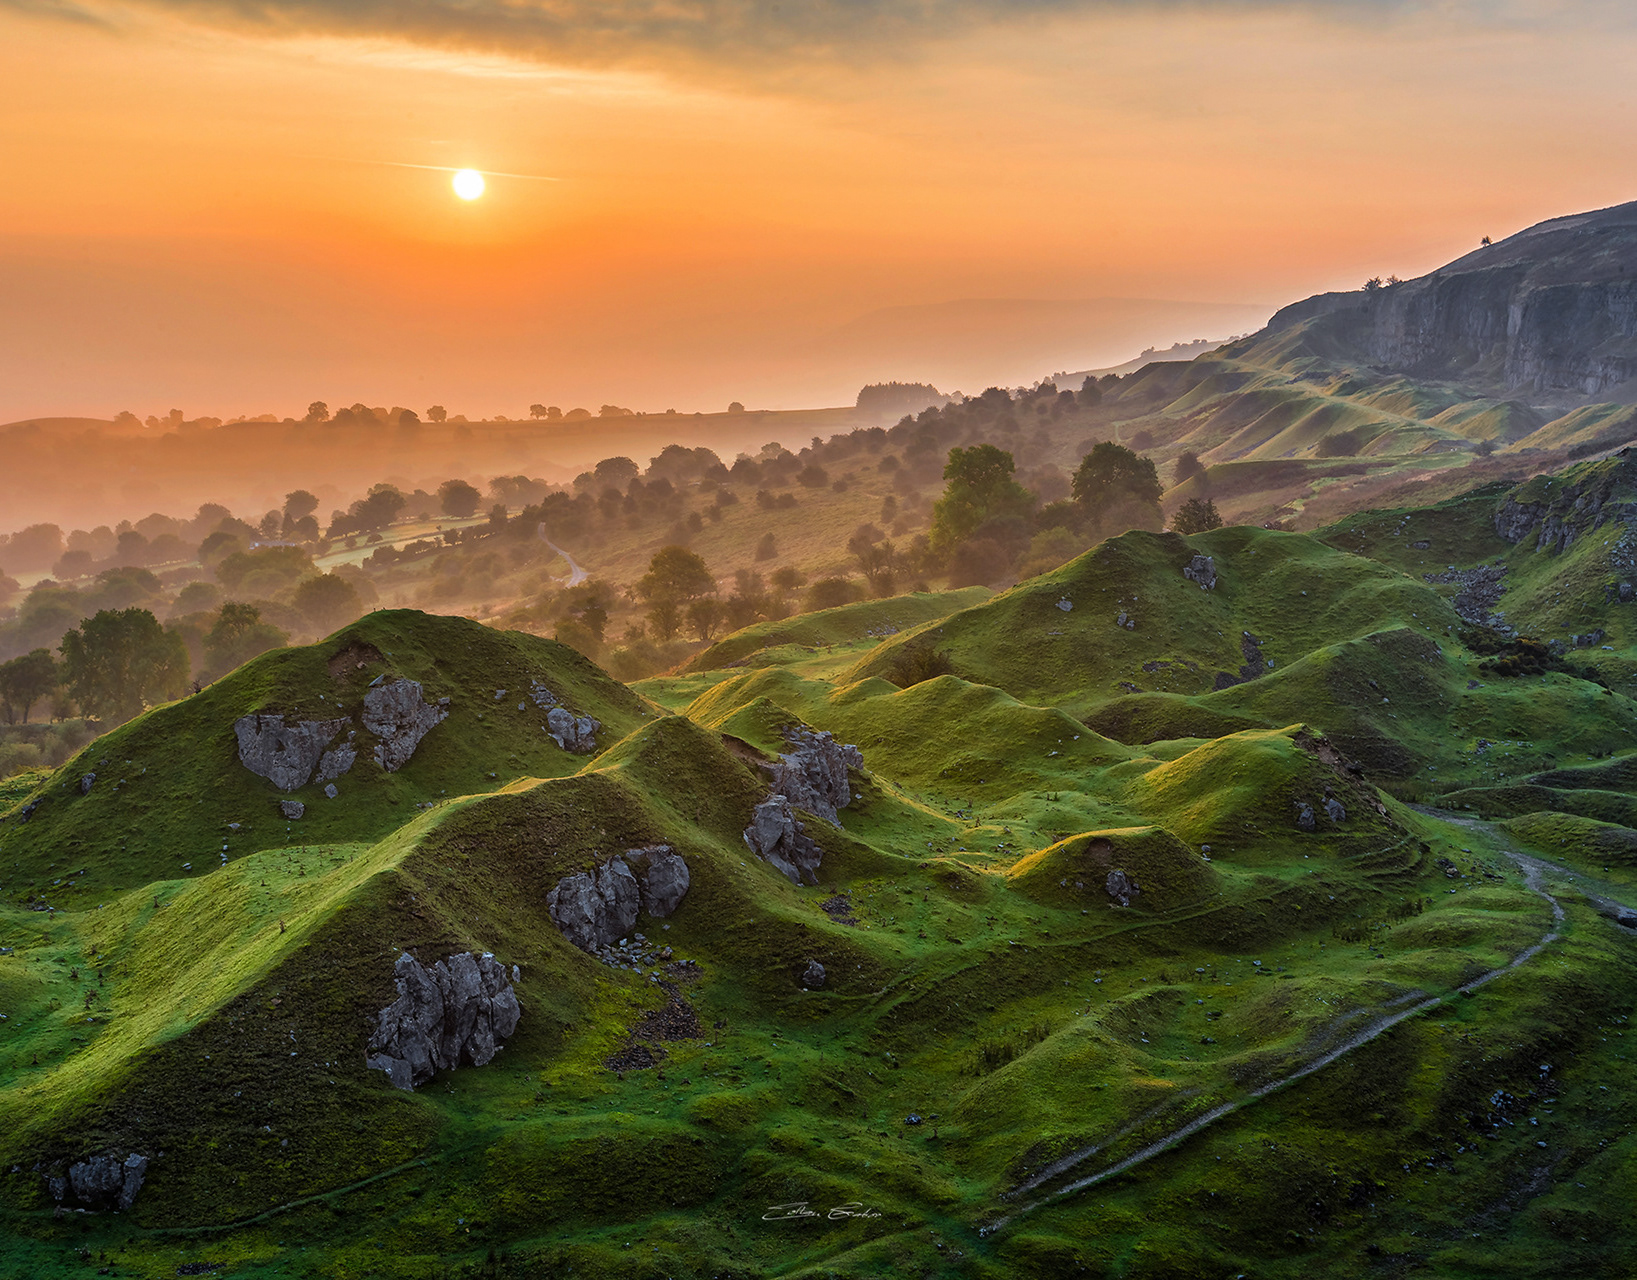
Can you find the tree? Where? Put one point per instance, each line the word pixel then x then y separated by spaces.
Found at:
pixel 408 418
pixel 736 407
pixel 537 411
pixel 704 616
pixel 116 661
pixel 1196 516
pixel 1188 466
pixel 665 618
pixel 239 635
pixel 1111 474
pixel 437 413
pixel 829 593
pixel 24 681
pixel 318 411
pixel 676 574
pixel 1090 393
pixel 458 498
pixel 979 487
pixel 1339 444
pixel 328 601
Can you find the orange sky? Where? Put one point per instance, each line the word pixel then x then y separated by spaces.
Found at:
pixel 198 211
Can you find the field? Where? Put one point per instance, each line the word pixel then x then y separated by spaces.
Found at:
pixel 1270 929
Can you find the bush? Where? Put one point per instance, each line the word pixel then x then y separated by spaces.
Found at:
pixel 1196 516
pixel 828 593
pixel 917 662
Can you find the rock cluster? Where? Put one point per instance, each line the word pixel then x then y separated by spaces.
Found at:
pixel 813 774
pixel 776 836
pixel 1121 887
pixel 596 908
pixel 1307 818
pixel 102 1182
pixel 287 754
pixel 813 777
pixel 1201 570
pixel 571 732
pixel 399 716
pixel 456 1011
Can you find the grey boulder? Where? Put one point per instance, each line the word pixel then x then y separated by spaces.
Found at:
pixel 284 754
pixel 665 880
pixel 1121 887
pixel 86 783
pixel 776 836
pixel 292 808
pixel 458 1010
pixel 399 715
pixel 571 732
pixel 594 909
pixel 813 774
pixel 1304 817
pixel 1202 571
pixel 1333 809
pixel 103 1182
pixel 812 977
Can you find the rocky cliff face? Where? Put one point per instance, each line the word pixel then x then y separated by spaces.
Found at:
pixel 1548 315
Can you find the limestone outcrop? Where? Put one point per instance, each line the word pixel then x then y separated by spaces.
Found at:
pixel 399 715
pixel 1201 570
pixel 777 836
pixel 457 1011
pixel 813 774
pixel 286 754
pixel 107 1181
pixel 595 909
pixel 571 732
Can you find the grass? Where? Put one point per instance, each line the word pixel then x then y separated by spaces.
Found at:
pixel 989 1011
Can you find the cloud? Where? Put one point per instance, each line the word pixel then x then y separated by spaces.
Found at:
pixel 606 32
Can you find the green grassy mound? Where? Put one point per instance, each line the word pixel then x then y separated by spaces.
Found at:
pixel 1167 873
pixel 170 783
pixel 1317 1028
pixel 843 624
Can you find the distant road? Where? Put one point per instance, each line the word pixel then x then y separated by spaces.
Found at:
pixel 576 575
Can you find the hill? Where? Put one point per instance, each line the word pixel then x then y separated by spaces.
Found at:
pixel 1267 883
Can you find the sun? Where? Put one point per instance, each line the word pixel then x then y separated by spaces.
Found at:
pixel 468 184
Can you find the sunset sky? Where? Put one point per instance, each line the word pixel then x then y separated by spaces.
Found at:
pixel 215 205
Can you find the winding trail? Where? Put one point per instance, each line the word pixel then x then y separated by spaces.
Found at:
pixel 576 575
pixel 1534 872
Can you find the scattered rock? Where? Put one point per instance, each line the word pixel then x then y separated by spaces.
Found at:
pixel 102 1182
pixel 1588 640
pixel 292 808
pixel 1422 545
pixel 812 977
pixel 399 715
pixel 1065 605
pixel 1334 810
pixel 571 732
pixel 776 836
pixel 284 754
pixel 839 909
pixel 27 811
pixel 1125 620
pixel 1305 818
pixel 1121 887
pixel 1255 664
pixel 86 783
pixel 456 1011
pixel 331 791
pixel 1480 591
pixel 337 760
pixel 1201 570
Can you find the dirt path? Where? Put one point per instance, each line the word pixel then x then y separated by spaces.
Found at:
pixel 576 575
pixel 1534 878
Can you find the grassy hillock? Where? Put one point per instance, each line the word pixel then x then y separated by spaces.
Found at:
pixel 1167 933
